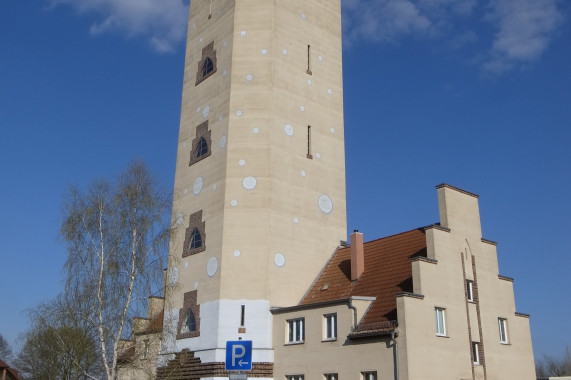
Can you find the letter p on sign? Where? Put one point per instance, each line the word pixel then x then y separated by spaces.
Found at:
pixel 239 355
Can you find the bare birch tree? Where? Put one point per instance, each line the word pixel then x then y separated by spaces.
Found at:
pixel 117 237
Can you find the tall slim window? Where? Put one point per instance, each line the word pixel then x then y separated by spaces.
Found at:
pixel 309 142
pixel 331 376
pixel 145 349
pixel 207 67
pixel 195 239
pixel 294 377
pixel 503 326
pixel 369 375
pixel 475 352
pixel 470 290
pixel 330 325
pixel 296 330
pixel 189 323
pixel 440 321
pixel 202 147
pixel 309 59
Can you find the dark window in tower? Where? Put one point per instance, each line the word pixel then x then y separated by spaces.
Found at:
pixel 195 240
pixel 202 147
pixel 190 323
pixel 189 317
pixel 207 64
pixel 195 236
pixel 201 144
pixel 207 67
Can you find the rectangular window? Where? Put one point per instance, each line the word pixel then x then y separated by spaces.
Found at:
pixel 475 352
pixel 330 325
pixel 503 326
pixel 330 376
pixel 440 321
pixel 309 142
pixel 294 377
pixel 470 290
pixel 369 375
pixel 296 330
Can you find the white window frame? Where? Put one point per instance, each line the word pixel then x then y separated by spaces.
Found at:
pixel 331 376
pixel 440 322
pixel 503 330
pixel 369 375
pixel 470 290
pixel 476 352
pixel 294 377
pixel 295 330
pixel 330 326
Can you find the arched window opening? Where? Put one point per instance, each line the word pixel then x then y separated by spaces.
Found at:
pixel 202 147
pixel 189 323
pixel 195 239
pixel 208 67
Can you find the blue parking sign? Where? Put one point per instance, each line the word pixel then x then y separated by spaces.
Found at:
pixel 239 355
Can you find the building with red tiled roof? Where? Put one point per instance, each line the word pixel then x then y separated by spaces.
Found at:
pixel 423 304
pixel 7 373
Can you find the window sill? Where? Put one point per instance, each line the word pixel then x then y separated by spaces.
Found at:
pixel 294 343
pixel 442 336
pixel 329 340
pixel 505 343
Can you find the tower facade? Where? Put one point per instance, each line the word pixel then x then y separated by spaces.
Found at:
pixel 259 199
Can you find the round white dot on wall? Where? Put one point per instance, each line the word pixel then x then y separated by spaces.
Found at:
pixel 284 51
pixel 296 220
pixel 264 51
pixel 225 72
pixel 256 130
pixel 329 91
pixel 220 117
pixel 309 82
pixel 279 259
pixel 320 58
pixel 332 130
pixel 249 77
pixel 212 266
pixel 243 33
pixel 303 173
pixel 302 108
pixel 234 203
pixel 184 145
pixel 197 187
pixel 288 130
pixel 214 187
pixel 237 253
pixel 222 142
pixel 242 162
pixel 201 39
pixel 185 191
pixel 225 43
pixel 318 155
pixel 304 16
pixel 186 264
pixel 179 219
pixel 325 204
pixel 195 284
pixel 206 112
pixel 239 113
pixel 249 183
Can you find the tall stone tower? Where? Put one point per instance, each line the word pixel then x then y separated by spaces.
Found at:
pixel 259 197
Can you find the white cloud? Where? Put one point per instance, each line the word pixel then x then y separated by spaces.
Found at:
pixel 161 22
pixel 524 28
pixel 524 31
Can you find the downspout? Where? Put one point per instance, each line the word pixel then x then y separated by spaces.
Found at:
pixel 354 313
pixel 396 355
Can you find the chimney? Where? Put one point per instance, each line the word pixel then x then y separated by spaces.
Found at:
pixel 357 255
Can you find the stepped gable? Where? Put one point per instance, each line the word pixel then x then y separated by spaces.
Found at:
pixel 388 271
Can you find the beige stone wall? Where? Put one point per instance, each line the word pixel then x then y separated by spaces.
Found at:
pixel 316 357
pixel 461 254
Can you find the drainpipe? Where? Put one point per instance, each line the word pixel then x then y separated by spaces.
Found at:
pixel 354 312
pixel 396 348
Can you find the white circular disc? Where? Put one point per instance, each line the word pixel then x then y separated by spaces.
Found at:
pixel 264 52
pixel 222 142
pixel 309 82
pixel 197 187
pixel 249 183
pixel 185 191
pixel 332 130
pixel 303 16
pixel 205 112
pixel 186 264
pixel 179 219
pixel 296 220
pixel 214 187
pixel 279 259
pixel 288 130
pixel 302 108
pixel 284 51
pixel 329 91
pixel 212 266
pixel 237 253
pixel 242 162
pixel 195 284
pixel 249 77
pixel 243 33
pixel 234 203
pixel 256 130
pixel 239 113
pixel 318 155
pixel 320 58
pixel 325 204
pixel 303 173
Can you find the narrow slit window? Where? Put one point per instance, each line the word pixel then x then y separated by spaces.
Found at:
pixel 309 142
pixel 210 11
pixel 243 316
pixel 309 59
pixel 475 352
pixel 470 290
pixel 195 239
pixel 440 321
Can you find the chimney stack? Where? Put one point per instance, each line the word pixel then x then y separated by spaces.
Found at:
pixel 357 255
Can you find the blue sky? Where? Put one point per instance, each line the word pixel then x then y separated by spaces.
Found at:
pixel 476 94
